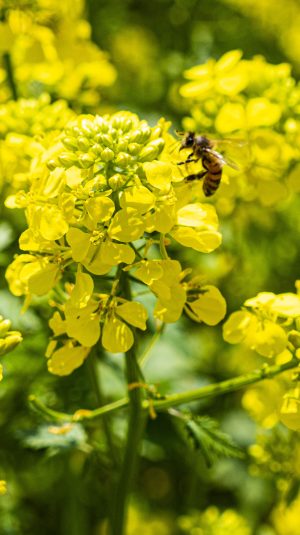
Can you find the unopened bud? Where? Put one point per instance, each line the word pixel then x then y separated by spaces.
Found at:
pixel 70 143
pixel 116 181
pixel 5 325
pixel 107 155
pixel 85 161
pixel 134 148
pixel 8 343
pixel 83 143
pixel 123 159
pixel 152 150
pixel 67 159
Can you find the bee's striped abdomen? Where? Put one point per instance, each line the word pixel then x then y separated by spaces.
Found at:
pixel 213 176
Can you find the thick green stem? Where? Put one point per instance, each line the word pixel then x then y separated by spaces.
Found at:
pixel 134 436
pixel 136 423
pixel 94 375
pixel 10 75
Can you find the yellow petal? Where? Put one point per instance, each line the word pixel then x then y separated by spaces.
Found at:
pixel 236 327
pixel 116 337
pixel 134 313
pixel 67 358
pixel 52 223
pixel 126 226
pixel 210 307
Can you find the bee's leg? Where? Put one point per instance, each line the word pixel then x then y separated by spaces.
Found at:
pixel 189 159
pixel 196 176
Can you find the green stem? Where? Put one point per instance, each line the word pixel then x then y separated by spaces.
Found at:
pixel 10 75
pixel 134 436
pixel 94 374
pixel 216 389
pixel 136 424
pixel 224 387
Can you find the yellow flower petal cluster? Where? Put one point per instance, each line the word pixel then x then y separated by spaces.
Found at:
pixel 265 323
pixel 45 55
pixel 214 522
pixel 104 187
pixel 258 103
pixel 27 128
pixel 89 317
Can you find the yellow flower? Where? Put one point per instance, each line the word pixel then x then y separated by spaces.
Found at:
pixel 66 359
pixel 197 227
pixel 227 76
pixel 209 306
pixel 164 279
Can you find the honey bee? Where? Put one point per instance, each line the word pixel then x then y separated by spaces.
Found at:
pixel 212 161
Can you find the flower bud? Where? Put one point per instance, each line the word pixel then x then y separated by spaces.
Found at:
pixel 122 145
pixel 96 149
pixel 156 132
pixel 152 150
pixel 5 325
pixel 67 159
pixel 87 127
pixel 70 143
pixel 8 343
pixel 116 181
pixel 83 143
pixel 106 140
pixel 140 136
pixel 85 161
pixel 123 159
pixel 107 155
pixel 134 148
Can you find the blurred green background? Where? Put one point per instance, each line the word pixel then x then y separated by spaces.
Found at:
pixel 63 485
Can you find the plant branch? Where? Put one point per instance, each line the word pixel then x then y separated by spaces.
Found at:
pixel 173 400
pixel 224 387
pixel 10 75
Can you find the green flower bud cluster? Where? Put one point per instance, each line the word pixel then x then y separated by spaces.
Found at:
pixel 33 117
pixel 114 143
pixel 8 339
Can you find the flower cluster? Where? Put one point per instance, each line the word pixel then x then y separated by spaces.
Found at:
pixel 270 325
pixel 258 103
pixel 44 41
pixel 27 127
pixel 214 522
pixel 104 194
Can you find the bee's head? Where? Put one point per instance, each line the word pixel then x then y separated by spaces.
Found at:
pixel 188 140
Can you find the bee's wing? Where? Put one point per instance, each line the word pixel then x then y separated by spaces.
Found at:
pixel 234 141
pixel 224 161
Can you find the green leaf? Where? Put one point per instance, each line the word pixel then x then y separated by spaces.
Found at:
pixel 212 442
pixel 59 436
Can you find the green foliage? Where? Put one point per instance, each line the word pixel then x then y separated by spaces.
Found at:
pixel 210 440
